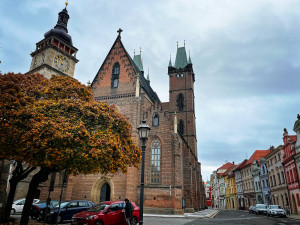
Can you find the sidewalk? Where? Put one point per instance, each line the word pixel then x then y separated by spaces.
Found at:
pixel 294 216
pixel 206 213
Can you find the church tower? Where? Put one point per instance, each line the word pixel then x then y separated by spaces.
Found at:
pixel 55 54
pixel 181 96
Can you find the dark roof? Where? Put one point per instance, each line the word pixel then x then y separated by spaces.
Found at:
pixel 61 29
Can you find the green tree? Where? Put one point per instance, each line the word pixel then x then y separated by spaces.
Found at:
pixel 56 124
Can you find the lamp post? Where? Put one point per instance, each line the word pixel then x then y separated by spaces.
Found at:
pixel 143 130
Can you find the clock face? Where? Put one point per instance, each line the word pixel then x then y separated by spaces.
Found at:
pixel 39 60
pixel 61 63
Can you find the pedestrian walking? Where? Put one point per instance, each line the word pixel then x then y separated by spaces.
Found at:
pixel 128 211
pixel 287 209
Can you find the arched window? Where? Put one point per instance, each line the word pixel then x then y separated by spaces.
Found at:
pixel 181 127
pixel 155 121
pixel 155 162
pixel 180 102
pixel 115 75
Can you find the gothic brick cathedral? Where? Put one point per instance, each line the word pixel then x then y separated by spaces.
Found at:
pixel 173 181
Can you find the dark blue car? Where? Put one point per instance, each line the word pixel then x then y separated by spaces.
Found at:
pixel 67 210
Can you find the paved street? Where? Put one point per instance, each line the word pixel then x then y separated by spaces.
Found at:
pixel 230 217
pixel 224 217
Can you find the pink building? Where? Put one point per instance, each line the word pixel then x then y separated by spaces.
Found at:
pixel 291 172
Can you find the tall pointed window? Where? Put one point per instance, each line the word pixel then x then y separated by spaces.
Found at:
pixel 155 162
pixel 181 127
pixel 180 102
pixel 115 75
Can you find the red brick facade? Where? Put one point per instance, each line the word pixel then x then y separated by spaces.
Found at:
pixel 180 185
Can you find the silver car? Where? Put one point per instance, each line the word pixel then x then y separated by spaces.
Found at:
pixel 260 209
pixel 276 210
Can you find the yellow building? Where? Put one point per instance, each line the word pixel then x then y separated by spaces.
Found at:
pixel 231 200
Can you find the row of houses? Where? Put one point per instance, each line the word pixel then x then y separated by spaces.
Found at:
pixel 268 177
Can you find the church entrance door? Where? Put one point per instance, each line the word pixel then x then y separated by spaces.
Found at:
pixel 105 193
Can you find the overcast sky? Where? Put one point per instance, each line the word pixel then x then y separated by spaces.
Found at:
pixel 245 54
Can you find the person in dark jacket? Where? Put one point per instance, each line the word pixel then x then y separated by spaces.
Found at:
pixel 128 211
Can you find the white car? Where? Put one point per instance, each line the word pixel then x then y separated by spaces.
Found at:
pixel 17 206
pixel 276 210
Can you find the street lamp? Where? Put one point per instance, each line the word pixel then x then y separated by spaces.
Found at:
pixel 143 130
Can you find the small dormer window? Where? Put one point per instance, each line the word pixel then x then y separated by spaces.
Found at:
pixel 115 75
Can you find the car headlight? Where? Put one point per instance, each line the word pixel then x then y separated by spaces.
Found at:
pixel 90 217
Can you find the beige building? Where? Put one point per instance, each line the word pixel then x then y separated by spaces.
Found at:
pixel 278 185
pixel 247 178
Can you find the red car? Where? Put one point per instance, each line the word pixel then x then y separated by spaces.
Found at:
pixel 106 213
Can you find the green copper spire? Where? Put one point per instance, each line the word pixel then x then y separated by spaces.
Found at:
pixel 181 59
pixel 137 59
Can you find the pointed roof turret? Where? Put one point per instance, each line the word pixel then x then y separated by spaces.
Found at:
pixel 148 79
pixel 190 61
pixel 61 28
pixel 170 62
pixel 181 58
pixel 137 59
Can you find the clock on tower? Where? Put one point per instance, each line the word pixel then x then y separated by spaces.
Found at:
pixel 55 54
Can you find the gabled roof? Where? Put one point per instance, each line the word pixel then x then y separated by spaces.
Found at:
pixel 230 169
pixel 222 170
pixel 239 166
pixel 257 155
pixel 144 84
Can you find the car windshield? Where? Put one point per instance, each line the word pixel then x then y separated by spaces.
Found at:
pixel 275 207
pixel 62 205
pixel 262 206
pixel 98 208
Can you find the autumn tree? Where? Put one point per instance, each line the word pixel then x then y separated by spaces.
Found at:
pixel 56 124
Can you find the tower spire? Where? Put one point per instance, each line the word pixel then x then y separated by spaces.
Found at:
pixel 190 61
pixel 170 62
pixel 148 75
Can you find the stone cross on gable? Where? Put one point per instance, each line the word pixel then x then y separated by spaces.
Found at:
pixel 120 31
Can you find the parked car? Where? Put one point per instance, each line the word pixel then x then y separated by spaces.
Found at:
pixel 252 209
pixel 260 209
pixel 17 206
pixel 106 213
pixel 37 208
pixel 67 210
pixel 276 210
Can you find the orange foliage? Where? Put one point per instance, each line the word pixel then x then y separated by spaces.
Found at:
pixel 57 123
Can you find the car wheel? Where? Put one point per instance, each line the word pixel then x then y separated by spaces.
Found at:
pixel 59 219
pixel 268 215
pixel 98 222
pixel 134 221
pixel 12 211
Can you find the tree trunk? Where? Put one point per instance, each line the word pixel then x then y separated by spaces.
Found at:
pixel 10 199
pixel 38 178
pixel 18 174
